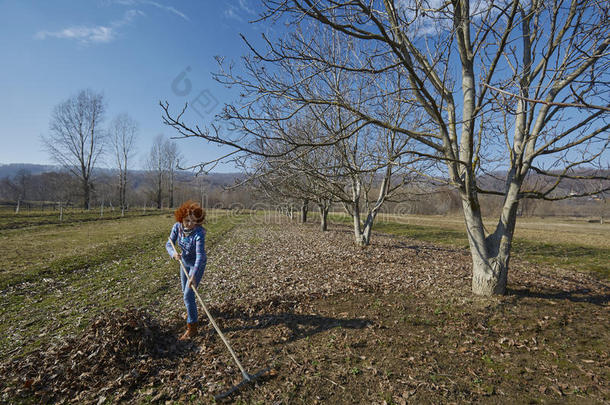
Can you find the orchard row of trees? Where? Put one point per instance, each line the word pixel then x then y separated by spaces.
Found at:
pixel 353 100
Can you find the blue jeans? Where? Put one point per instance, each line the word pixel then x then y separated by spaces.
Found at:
pixel 187 292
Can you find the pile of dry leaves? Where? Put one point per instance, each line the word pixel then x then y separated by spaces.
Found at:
pixel 111 355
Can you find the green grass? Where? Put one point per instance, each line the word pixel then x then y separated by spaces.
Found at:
pixel 66 265
pixel 438 235
pixel 46 302
pixel 11 220
pixel 54 250
pixel 571 256
pixel 563 255
pixel 449 237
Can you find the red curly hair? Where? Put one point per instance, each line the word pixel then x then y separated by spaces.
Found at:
pixel 188 208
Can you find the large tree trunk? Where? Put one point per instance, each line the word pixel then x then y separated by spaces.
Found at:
pixel 171 190
pixel 491 254
pixel 357 226
pixel 123 193
pixel 363 236
pixel 304 210
pixel 324 208
pixel 362 232
pixel 159 193
pixel 367 228
pixel 364 239
pixel 86 194
pixel 489 272
pixel 354 209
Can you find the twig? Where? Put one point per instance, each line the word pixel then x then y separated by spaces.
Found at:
pixel 292 358
pixel 338 385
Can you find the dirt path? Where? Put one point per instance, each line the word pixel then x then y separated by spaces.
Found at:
pixel 394 323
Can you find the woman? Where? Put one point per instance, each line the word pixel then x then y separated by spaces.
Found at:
pixel 188 233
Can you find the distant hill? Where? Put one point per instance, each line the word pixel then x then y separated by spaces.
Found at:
pixel 12 169
pixel 495 181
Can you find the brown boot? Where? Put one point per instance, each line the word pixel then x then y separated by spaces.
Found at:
pixel 191 331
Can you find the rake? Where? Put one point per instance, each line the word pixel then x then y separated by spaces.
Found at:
pixel 248 378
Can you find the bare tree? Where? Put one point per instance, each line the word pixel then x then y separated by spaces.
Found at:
pixel 76 140
pixel 290 180
pixel 372 159
pixel 58 187
pixel 10 190
pixel 172 158
pixel 123 136
pixel 21 186
pixel 285 175
pixel 156 166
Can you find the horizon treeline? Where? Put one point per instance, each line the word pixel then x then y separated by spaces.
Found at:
pixel 51 188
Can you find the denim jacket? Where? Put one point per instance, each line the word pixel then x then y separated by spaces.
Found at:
pixel 192 246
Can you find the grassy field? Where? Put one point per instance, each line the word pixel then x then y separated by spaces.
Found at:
pixel 564 243
pixel 394 323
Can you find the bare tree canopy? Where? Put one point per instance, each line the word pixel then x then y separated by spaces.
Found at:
pixel 162 163
pixel 76 139
pixel 173 160
pixel 506 88
pixel 123 130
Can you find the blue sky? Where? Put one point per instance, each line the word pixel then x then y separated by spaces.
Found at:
pixel 132 51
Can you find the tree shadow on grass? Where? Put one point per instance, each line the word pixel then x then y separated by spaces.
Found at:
pixel 300 325
pixel 575 295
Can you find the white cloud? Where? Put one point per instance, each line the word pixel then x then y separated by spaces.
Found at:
pixel 231 13
pixel 127 18
pixel 95 34
pixel 239 11
pixel 98 34
pixel 156 4
pixel 166 8
pixel 243 4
